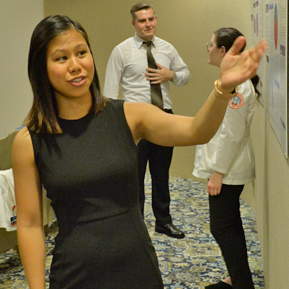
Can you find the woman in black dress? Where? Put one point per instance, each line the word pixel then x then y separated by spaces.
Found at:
pixel 82 148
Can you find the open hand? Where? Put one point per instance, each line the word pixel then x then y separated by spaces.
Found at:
pixel 237 68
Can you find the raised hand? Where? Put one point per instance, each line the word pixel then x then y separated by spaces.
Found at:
pixel 237 68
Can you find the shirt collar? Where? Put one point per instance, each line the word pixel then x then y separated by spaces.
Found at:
pixel 139 41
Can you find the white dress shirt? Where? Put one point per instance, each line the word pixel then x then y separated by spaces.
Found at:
pixel 127 66
pixel 230 151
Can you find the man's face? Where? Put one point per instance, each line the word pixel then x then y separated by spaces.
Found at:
pixel 145 24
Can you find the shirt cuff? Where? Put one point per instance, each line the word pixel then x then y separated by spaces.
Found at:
pixel 174 79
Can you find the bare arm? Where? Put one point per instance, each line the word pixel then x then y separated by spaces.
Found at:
pixel 149 122
pixel 29 210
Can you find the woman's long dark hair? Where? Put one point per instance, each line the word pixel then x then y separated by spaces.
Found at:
pixel 226 37
pixel 43 114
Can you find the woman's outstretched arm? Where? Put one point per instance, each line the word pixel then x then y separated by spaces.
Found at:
pixel 148 122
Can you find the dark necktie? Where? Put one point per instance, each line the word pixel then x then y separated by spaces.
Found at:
pixel 156 92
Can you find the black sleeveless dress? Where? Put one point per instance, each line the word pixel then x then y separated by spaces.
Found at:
pixel 90 174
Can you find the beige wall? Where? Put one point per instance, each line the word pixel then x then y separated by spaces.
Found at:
pixel 188 25
pixel 270 200
pixel 17 20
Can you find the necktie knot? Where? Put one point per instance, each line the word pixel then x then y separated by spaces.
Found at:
pixel 148 43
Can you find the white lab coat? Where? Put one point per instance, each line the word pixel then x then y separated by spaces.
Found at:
pixel 230 151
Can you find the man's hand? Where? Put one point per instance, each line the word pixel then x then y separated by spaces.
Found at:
pixel 162 74
pixel 237 68
pixel 215 184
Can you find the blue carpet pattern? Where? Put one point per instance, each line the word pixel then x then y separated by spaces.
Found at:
pixel 192 263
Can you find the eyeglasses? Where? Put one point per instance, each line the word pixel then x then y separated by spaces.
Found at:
pixel 209 45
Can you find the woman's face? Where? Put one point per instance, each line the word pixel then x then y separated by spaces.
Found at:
pixel 70 66
pixel 215 54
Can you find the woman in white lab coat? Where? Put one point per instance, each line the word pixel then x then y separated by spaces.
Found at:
pixel 227 161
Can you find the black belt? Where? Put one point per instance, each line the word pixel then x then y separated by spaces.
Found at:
pixel 167 110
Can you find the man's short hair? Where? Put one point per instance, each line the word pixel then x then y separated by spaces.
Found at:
pixel 140 6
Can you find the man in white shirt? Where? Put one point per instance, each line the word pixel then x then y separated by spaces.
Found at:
pixel 128 66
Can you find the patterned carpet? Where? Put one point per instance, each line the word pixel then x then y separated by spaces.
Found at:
pixel 193 262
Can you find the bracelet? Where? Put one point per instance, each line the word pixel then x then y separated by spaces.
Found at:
pixel 223 95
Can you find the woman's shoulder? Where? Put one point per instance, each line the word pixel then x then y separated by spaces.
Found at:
pixel 114 102
pixel 246 92
pixel 246 88
pixel 22 143
pixel 23 135
pixel 114 105
pixel 22 151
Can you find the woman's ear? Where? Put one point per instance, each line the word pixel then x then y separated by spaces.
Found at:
pixel 223 51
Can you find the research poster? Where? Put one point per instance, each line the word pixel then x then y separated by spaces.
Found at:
pixel 276 34
pixel 257 35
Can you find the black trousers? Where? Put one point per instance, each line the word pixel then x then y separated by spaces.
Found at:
pixel 159 159
pixel 227 229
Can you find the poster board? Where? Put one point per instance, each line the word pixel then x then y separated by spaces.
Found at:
pixel 274 13
pixel 257 35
